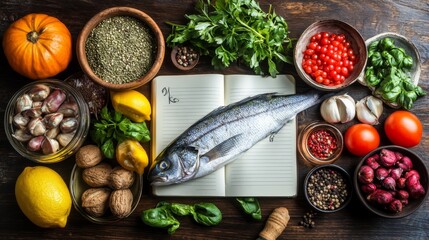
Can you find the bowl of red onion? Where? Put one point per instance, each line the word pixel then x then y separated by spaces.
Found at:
pixel 391 181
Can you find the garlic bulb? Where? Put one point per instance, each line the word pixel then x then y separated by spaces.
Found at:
pixel 338 109
pixel 369 110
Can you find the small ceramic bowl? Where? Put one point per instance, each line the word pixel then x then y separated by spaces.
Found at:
pixel 176 57
pixel 77 186
pixel 332 177
pixel 25 141
pixel 410 49
pixel 158 41
pixel 331 26
pixel 413 204
pixel 309 136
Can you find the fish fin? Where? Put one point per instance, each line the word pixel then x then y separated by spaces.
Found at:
pixel 223 148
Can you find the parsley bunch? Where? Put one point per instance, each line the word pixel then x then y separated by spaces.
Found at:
pixel 231 30
pixel 113 128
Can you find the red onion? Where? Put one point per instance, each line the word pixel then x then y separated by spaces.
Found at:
pixel 396 173
pixel 412 172
pixel 398 156
pixel 368 188
pixel 405 163
pixel 411 181
pixel 400 183
pixel 395 206
pixel 365 174
pixel 381 173
pixel 404 202
pixel 417 191
pixel 372 161
pixel 402 194
pixel 389 183
pixel 387 158
pixel 380 197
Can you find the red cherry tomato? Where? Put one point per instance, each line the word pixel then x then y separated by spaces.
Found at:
pixel 403 128
pixel 360 139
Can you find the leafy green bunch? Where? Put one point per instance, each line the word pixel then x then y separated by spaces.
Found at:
pixel 162 215
pixel 231 30
pixel 388 70
pixel 113 128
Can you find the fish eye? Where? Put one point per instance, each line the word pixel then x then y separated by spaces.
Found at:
pixel 163 165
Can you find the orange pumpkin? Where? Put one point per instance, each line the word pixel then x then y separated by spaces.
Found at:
pixel 38 46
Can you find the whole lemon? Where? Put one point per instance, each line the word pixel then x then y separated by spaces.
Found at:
pixel 131 104
pixel 43 197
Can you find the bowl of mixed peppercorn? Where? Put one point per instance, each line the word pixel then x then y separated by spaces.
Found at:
pixel 328 188
pixel 121 48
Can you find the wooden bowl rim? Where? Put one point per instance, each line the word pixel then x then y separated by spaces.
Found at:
pixel 347 30
pixel 121 11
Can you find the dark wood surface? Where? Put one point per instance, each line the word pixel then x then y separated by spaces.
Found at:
pixel 409 18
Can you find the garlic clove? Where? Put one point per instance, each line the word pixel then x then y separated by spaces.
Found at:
pixel 329 111
pixel 369 109
pixel 375 105
pixel 346 108
pixel 50 145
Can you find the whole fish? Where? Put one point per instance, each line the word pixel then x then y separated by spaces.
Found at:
pixel 226 132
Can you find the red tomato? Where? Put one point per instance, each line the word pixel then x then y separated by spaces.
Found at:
pixel 403 128
pixel 360 139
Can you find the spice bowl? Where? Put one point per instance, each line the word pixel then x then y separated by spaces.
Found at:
pixel 355 42
pixel 78 186
pixel 121 48
pixel 320 143
pixel 328 188
pixel 47 121
pixel 184 57
pixel 384 202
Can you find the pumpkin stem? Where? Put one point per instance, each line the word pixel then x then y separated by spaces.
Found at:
pixel 33 36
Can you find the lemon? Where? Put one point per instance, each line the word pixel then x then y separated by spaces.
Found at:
pixel 43 197
pixel 132 104
pixel 131 155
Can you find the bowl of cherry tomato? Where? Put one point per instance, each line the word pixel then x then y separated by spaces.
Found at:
pixel 330 55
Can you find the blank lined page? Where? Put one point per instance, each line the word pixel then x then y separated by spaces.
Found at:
pixel 178 102
pixel 269 168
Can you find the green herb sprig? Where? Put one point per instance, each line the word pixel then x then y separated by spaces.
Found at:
pixel 162 215
pixel 250 206
pixel 388 71
pixel 113 128
pixel 231 30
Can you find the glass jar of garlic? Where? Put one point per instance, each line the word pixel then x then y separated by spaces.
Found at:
pixel 47 121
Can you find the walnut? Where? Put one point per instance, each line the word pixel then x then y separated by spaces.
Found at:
pixel 95 201
pixel 97 176
pixel 120 202
pixel 121 178
pixel 88 156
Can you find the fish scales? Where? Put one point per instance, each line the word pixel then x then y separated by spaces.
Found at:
pixel 225 133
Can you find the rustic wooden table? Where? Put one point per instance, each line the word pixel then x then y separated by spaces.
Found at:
pixel 409 18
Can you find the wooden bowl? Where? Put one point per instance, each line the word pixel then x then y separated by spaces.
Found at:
pixel 174 52
pixel 413 204
pixel 410 49
pixel 121 11
pixel 331 26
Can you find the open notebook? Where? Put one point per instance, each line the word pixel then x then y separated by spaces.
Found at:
pixel 267 169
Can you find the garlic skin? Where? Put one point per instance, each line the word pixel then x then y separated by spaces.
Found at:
pixel 338 109
pixel 369 110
